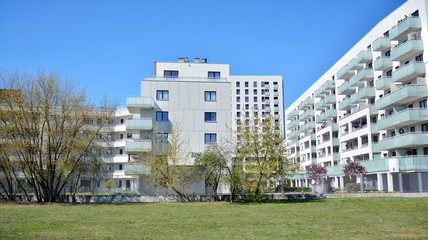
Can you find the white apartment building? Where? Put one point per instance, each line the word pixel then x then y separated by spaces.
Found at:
pixel 371 107
pixel 203 99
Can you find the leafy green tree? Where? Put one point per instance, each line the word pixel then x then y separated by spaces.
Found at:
pixel 262 149
pixel 213 167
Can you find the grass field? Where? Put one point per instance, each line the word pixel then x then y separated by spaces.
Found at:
pixel 356 218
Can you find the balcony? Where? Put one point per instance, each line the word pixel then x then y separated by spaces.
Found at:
pixel 355 65
pixel 405 140
pixel 345 73
pixel 293 113
pixel 405 94
pixel 306 103
pixel 293 123
pixel 323 117
pixel 136 169
pixel 345 88
pixel 138 146
pixel 403 118
pixel 384 83
pixel 346 104
pixel 407 50
pixel 409 71
pixel 329 99
pixel 381 44
pixel 413 163
pixel 307 126
pixel 377 165
pixel 325 88
pixel 364 93
pixel 410 24
pixel 139 124
pixel 382 64
pixel 365 74
pixel 365 56
pixel 135 104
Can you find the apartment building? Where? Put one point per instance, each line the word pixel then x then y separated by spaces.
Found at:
pixel 370 107
pixel 204 100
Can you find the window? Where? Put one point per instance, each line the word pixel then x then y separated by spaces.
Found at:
pixel 254 84
pixel 256 107
pixel 238 99
pixel 213 75
pixel 255 92
pixel 238 91
pixel 424 127
pixel 238 114
pixel 412 129
pixel 210 96
pixel 162 137
pixel 425 150
pixel 247 106
pixel 170 74
pixel 120 167
pixel 129 135
pixel 247 99
pixel 246 92
pixel 161 116
pixel 162 95
pixel 210 116
pixel 246 84
pixel 238 106
pixel 423 104
pixel 210 137
pixel 121 136
pixel 120 151
pixel 255 99
pixel 122 121
pixel 238 84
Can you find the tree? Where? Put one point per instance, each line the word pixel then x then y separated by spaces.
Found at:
pixel 47 128
pixel 212 166
pixel 168 162
pixel 352 170
pixel 316 172
pixel 262 149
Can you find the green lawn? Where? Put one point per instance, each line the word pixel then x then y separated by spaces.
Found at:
pixel 356 218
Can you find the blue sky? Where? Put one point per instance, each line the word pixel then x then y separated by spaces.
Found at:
pixel 109 46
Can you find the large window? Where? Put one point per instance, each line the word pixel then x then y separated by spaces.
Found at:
pixel 214 75
pixel 210 137
pixel 162 95
pixel 162 137
pixel 210 96
pixel 170 74
pixel 210 116
pixel 423 104
pixel 161 116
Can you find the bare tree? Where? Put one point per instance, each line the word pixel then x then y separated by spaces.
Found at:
pixel 47 127
pixel 169 162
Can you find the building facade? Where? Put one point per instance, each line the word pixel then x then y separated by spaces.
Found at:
pixel 204 100
pixel 370 107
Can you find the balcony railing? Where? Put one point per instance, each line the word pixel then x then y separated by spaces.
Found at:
pixel 365 56
pixel 407 50
pixel 382 63
pixel 136 169
pixel 138 124
pixel 138 146
pixel 405 140
pixel 135 104
pixel 381 44
pixel 405 26
pixel 345 73
pixel 325 88
pixel 384 83
pixel 409 71
pixel 403 118
pixel 404 95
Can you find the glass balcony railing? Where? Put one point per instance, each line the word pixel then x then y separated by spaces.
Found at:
pixel 327 100
pixel 293 113
pixel 405 140
pixel 135 104
pixel 136 169
pixel 307 126
pixel 345 73
pixel 354 64
pixel 325 88
pixel 381 44
pixel 382 63
pixel 405 94
pixel 409 71
pixel 413 163
pixel 306 103
pixel 366 74
pixel 407 50
pixel 407 25
pixel 137 146
pixel 403 118
pixel 323 117
pixel 365 56
pixel 384 83
pixel 139 124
